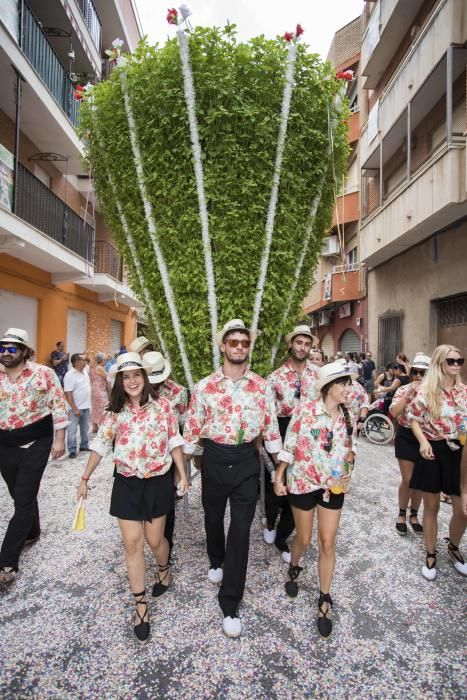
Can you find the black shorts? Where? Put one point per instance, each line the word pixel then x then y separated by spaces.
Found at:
pixel 443 473
pixel 142 499
pixel 307 501
pixel 406 445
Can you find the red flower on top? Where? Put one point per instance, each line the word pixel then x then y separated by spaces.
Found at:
pixel 172 16
pixel 345 75
pixel 299 30
pixel 79 92
pixel 288 36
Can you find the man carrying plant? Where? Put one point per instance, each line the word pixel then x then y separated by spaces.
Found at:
pixel 228 411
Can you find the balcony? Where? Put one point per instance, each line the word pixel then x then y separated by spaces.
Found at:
pixel 344 283
pixel 108 260
pixel 45 232
pixel 353 123
pixel 92 21
pixel 347 208
pixel 108 281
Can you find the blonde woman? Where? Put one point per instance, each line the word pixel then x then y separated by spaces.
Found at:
pixel 437 414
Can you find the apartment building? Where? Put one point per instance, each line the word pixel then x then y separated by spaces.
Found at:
pixel 61 276
pixel 336 303
pixel 413 174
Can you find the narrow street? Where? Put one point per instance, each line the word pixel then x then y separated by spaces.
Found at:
pixel 67 621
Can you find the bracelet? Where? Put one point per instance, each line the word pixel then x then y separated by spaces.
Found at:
pixel 85 478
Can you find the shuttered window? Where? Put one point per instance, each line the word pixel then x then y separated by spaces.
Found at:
pixel 115 335
pixel 389 336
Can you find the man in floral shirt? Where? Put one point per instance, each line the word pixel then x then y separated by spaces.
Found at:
pixel 229 410
pixel 296 377
pixel 32 406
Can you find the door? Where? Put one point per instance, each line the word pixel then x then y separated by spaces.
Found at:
pixel 18 311
pixel 350 341
pixel 77 331
pixel 452 325
pixel 327 345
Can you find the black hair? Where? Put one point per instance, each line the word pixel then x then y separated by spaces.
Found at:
pixel 59 342
pixel 76 356
pixel 118 395
pixel 27 352
pixel 245 331
pixel 401 368
pixel 342 406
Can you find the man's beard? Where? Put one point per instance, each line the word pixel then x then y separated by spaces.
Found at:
pixel 298 359
pixel 237 360
pixel 13 360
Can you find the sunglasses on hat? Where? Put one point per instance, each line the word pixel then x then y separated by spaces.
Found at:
pixel 451 361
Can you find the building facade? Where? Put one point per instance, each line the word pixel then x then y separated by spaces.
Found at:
pixel 336 303
pixel 61 276
pixel 413 174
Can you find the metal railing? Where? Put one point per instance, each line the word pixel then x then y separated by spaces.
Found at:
pixel 44 60
pixel 91 18
pixel 41 208
pixel 108 260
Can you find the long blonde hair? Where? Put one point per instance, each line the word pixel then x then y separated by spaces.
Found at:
pixel 433 383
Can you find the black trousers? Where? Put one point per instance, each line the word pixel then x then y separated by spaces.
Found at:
pixel 275 504
pixel 170 519
pixel 22 470
pixel 229 473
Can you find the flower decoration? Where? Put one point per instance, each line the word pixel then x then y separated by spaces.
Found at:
pixel 293 36
pixel 79 92
pixel 117 43
pixel 299 30
pixel 345 75
pixel 184 11
pixel 288 36
pixel 172 16
pixel 115 53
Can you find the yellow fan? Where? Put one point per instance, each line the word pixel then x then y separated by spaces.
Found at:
pixel 79 521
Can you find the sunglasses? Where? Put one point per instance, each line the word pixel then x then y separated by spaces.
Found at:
pixel 298 388
pixel 451 361
pixel 234 343
pixel 12 349
pixel 329 438
pixel 418 372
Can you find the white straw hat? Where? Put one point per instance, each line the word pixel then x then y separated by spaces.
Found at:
pixel 16 335
pixel 156 366
pixel 302 330
pixel 328 373
pixel 138 344
pixel 126 361
pixel 236 324
pixel 421 361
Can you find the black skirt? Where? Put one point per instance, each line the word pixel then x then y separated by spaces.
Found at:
pixel 443 473
pixel 406 445
pixel 142 499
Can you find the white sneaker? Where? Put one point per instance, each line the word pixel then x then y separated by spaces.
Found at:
pixel 232 627
pixel 286 556
pixel 215 575
pixel 269 536
pixel 458 563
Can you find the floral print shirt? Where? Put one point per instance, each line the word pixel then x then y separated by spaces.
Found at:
pixel 453 410
pixel 144 438
pixel 403 418
pixel 357 399
pixel 177 396
pixel 304 450
pixel 232 412
pixel 286 383
pixel 33 395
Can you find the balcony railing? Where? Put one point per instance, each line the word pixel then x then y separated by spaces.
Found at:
pixel 45 61
pixel 108 260
pixel 41 208
pixel 91 18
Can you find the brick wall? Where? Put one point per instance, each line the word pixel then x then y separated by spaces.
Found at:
pixel 346 43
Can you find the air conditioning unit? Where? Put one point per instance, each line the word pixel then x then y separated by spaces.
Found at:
pixel 324 318
pixel 331 247
pixel 314 321
pixel 358 320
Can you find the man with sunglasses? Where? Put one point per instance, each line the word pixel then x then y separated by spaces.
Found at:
pixel 228 412
pixel 295 377
pixel 32 407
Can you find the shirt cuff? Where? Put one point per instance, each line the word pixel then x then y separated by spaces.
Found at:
pixel 273 446
pixel 285 456
pixel 176 441
pixel 98 446
pixel 192 449
pixel 61 424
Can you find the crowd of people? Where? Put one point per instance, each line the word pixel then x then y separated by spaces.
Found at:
pixel 302 420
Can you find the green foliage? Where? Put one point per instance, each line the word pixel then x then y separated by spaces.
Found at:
pixel 239 89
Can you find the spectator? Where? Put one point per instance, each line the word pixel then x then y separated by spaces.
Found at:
pixel 59 359
pixel 78 394
pixel 402 359
pixel 111 360
pixel 350 359
pixel 317 357
pixel 99 391
pixel 368 372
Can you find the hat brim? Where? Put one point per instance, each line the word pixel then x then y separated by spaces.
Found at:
pixel 331 378
pixel 15 341
pixel 159 378
pixel 128 366
pixel 314 340
pixel 221 334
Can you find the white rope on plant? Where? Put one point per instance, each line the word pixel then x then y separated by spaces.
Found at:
pixel 285 110
pixel 152 229
pixel 190 99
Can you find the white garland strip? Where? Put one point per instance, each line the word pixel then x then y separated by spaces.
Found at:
pixel 198 167
pixel 285 110
pixel 153 233
pixel 309 230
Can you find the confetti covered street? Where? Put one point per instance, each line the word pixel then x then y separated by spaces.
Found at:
pixel 67 621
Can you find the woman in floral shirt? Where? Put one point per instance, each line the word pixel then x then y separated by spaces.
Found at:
pixel 143 431
pixel 318 455
pixel 437 415
pixel 406 444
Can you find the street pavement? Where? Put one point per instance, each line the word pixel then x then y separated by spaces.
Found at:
pixel 66 623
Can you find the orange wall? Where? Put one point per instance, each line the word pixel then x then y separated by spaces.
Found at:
pixel 348 208
pixel 353 122
pixel 54 302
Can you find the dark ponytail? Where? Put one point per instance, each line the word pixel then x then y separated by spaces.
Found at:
pixel 348 421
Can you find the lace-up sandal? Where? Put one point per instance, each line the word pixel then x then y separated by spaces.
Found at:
pixel 457 559
pixel 416 527
pixel 324 623
pixel 429 570
pixel 291 587
pixel 401 528
pixel 142 629
pixel 163 581
pixel 8 574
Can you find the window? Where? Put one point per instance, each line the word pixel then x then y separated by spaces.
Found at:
pixel 389 336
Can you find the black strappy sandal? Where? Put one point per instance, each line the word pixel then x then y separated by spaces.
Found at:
pixel 401 528
pixel 142 629
pixel 291 587
pixel 160 587
pixel 416 526
pixel 324 623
